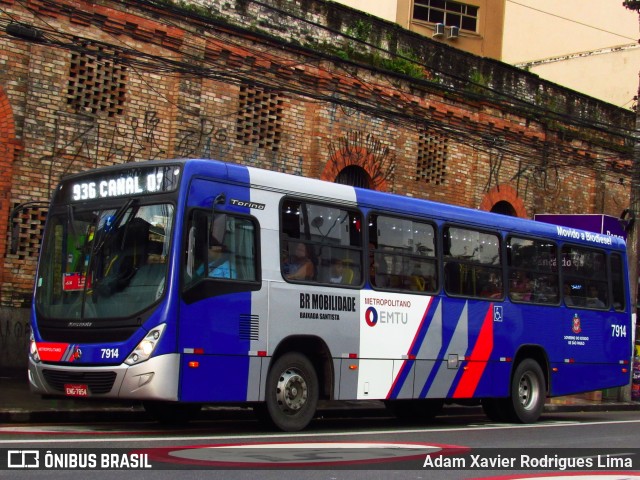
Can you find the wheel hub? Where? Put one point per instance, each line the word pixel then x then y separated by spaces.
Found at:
pixel 528 391
pixel 291 391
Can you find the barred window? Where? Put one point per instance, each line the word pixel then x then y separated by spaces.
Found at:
pixel 259 118
pixel 97 83
pixel 27 228
pixel 432 158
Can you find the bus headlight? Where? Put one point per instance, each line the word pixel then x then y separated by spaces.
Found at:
pixel 146 346
pixel 33 348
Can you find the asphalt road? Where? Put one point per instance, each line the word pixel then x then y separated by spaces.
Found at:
pixel 342 447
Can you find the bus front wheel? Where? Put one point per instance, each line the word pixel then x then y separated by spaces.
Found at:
pixel 292 392
pixel 528 392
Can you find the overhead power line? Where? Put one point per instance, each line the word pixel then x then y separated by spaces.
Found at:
pixel 573 21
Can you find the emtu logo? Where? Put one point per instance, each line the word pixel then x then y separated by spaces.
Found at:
pixel 371 316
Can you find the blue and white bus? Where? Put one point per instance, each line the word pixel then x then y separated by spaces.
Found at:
pixel 189 282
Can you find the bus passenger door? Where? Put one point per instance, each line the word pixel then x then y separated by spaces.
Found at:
pixel 217 324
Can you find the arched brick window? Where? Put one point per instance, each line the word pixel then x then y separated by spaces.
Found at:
pixel 504 199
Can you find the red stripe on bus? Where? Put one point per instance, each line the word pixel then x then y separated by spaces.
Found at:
pixel 477 361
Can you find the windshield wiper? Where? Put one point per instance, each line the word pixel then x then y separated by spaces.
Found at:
pixel 72 225
pixel 117 218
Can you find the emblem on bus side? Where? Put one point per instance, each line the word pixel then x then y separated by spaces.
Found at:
pixel 576 328
pixel 77 354
pixel 243 203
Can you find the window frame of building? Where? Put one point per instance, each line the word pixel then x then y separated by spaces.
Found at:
pixel 448 12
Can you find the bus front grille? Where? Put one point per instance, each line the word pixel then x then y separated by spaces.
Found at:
pixel 98 382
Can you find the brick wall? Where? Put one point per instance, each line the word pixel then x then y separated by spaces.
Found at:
pixel 241 88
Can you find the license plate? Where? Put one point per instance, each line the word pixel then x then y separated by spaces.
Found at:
pixel 76 390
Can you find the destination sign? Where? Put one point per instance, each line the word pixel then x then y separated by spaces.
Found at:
pixel 125 183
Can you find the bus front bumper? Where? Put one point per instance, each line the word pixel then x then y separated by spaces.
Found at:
pixel 154 379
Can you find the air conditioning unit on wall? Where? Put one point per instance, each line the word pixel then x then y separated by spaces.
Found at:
pixel 438 30
pixel 453 33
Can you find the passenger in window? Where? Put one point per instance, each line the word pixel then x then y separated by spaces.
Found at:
pixel 219 266
pixel 300 267
pixel 491 289
pixel 419 281
pixel 593 300
pixel 337 274
pixel 378 272
pixel 521 287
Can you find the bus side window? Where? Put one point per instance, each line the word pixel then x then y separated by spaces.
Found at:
pixel 585 271
pixel 472 263
pixel 320 243
pixel 533 270
pixel 617 282
pixel 402 254
pixel 223 248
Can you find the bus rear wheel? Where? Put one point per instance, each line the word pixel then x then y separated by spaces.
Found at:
pixel 528 392
pixel 292 392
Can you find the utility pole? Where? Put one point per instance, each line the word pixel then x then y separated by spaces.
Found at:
pixel 633 239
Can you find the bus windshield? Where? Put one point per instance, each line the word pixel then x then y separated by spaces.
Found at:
pixel 104 263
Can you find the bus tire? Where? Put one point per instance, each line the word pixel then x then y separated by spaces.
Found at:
pixel 292 392
pixel 528 392
pixel 171 413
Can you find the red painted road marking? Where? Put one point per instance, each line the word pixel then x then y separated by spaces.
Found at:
pixel 298 454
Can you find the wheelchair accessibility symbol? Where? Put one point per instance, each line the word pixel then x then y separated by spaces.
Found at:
pixel 497 313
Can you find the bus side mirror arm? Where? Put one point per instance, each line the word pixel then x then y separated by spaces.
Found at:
pixel 218 220
pixel 220 199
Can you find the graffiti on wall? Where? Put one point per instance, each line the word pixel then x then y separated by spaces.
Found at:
pixel 364 150
pixel 530 178
pixel 541 179
pixel 206 140
pixel 79 142
pixel 210 140
pixel 14 343
pixel 496 155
